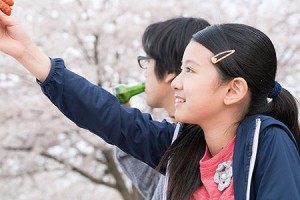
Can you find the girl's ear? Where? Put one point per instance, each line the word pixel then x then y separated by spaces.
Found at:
pixel 169 77
pixel 237 91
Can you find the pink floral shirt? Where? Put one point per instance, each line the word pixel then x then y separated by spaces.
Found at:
pixel 216 185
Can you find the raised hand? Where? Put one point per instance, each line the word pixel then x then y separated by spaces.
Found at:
pixel 15 42
pixel 13 39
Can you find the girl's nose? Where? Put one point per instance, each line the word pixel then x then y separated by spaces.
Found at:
pixel 176 84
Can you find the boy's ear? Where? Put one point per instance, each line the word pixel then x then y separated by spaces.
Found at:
pixel 236 91
pixel 169 77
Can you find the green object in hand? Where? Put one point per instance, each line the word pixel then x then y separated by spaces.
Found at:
pixel 125 92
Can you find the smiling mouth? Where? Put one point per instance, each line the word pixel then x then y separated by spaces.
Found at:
pixel 177 100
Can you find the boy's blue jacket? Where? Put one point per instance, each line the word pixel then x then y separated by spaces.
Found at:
pixel 276 172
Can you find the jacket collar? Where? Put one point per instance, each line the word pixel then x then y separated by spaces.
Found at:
pixel 245 151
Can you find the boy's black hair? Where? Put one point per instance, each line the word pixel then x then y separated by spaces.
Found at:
pixel 166 41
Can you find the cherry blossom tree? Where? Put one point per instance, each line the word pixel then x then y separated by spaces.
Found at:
pixel 44 155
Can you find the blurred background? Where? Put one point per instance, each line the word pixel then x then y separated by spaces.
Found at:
pixel 45 156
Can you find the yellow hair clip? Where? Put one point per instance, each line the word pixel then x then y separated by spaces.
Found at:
pixel 224 54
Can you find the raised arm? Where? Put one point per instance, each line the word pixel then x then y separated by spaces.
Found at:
pixel 14 41
pixel 86 104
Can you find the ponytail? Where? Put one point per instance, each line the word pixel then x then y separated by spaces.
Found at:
pixel 283 107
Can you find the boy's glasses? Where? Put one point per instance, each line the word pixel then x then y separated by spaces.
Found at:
pixel 144 61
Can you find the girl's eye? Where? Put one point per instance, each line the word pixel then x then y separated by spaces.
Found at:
pixel 188 69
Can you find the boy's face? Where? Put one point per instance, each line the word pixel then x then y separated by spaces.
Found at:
pixel 158 91
pixel 152 85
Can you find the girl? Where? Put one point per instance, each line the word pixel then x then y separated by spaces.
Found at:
pixel 164 44
pixel 247 146
pixel 227 88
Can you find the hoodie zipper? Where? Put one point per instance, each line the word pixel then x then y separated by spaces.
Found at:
pixel 253 156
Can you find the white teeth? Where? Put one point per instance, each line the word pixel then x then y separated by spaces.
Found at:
pixel 179 100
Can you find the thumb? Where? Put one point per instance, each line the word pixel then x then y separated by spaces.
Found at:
pixel 6 20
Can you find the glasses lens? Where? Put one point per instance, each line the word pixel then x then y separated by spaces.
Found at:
pixel 143 61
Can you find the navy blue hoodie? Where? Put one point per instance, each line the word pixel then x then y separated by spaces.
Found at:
pixel 266 159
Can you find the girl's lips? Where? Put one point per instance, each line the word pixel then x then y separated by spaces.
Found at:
pixel 179 101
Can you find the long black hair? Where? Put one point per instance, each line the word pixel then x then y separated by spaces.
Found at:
pixel 165 42
pixel 255 61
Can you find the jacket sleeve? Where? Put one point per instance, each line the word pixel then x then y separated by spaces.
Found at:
pixel 93 108
pixel 277 166
pixel 143 177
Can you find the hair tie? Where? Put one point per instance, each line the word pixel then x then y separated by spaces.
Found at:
pixel 276 90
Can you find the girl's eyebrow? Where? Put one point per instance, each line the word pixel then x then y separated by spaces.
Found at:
pixel 186 61
pixel 189 62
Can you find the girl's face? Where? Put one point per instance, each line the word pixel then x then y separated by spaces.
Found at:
pixel 198 89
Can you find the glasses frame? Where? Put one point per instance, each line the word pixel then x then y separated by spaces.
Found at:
pixel 142 58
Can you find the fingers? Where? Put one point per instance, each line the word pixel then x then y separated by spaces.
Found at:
pixel 7 21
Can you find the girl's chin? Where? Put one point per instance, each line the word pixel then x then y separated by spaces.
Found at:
pixel 184 117
pixel 180 118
